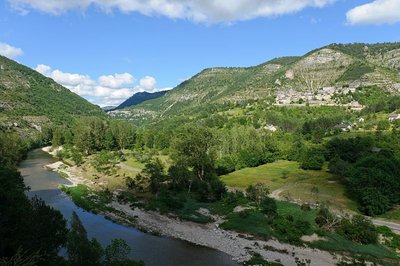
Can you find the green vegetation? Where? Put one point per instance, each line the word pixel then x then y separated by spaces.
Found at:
pixel 217 128
pixel 89 199
pixel 258 260
pixel 356 71
pixel 371 173
pixel 25 92
pixel 220 87
pixel 294 183
pixel 34 233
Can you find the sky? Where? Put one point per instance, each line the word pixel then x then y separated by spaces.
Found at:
pixel 106 50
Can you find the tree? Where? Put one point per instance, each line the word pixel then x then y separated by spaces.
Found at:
pixel 58 137
pixel 76 156
pixel 257 193
pixel 313 159
pixel 339 167
pixel 154 171
pixel 181 177
pixel 109 140
pixel 81 250
pixel 383 125
pixel 373 202
pixel 327 220
pixel 124 134
pixel 269 208
pixel 193 146
pixel 68 137
pixel 49 229
pixel 28 228
pixel 359 229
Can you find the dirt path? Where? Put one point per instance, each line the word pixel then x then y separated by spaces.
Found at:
pixel 276 194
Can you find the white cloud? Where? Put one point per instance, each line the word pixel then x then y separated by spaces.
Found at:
pixel 117 80
pixel 148 83
pixel 195 10
pixel 106 90
pixel 376 13
pixel 10 51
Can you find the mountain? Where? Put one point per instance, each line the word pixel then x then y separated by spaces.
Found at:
pixel 108 108
pixel 138 98
pixel 29 99
pixel 349 65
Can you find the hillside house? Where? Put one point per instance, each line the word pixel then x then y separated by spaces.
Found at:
pixel 356 106
pixel 271 128
pixel 393 117
pixel 344 127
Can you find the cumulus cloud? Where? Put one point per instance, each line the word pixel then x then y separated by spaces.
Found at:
pixel 148 83
pixel 194 10
pixel 106 90
pixel 117 80
pixel 10 51
pixel 375 13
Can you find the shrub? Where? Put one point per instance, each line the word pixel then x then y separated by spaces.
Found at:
pixel 373 202
pixel 257 192
pixel 358 229
pixel 313 159
pixel 269 208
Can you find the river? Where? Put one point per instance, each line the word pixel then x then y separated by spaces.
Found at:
pixel 153 250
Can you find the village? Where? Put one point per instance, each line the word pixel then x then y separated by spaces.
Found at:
pixel 324 96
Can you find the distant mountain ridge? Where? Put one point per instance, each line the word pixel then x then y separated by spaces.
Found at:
pixel 338 65
pixel 138 98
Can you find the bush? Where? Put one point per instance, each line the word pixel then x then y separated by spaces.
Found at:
pixel 313 159
pixel 244 213
pixel 358 229
pixel 257 193
pixel 225 165
pixel 373 202
pixel 218 189
pixel 170 201
pixel 290 230
pixel 327 220
pixel 269 208
pixel 76 156
pixel 383 125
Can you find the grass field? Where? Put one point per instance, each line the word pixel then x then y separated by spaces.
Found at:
pixel 286 179
pixel 133 162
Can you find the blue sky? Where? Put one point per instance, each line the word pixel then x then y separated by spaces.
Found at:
pixel 107 50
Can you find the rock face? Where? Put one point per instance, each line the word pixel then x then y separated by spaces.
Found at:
pixel 336 65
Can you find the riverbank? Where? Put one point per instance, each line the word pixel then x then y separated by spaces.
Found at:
pixel 239 246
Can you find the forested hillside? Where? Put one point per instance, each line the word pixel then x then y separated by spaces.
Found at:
pixel 337 65
pixel 26 93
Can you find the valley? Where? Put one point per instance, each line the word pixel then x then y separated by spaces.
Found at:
pixel 291 162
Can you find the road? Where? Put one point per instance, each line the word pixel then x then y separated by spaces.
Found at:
pixel 394 226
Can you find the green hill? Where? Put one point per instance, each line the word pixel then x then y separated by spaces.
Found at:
pixel 350 65
pixel 29 99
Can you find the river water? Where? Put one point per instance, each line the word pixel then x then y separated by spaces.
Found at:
pixel 153 250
